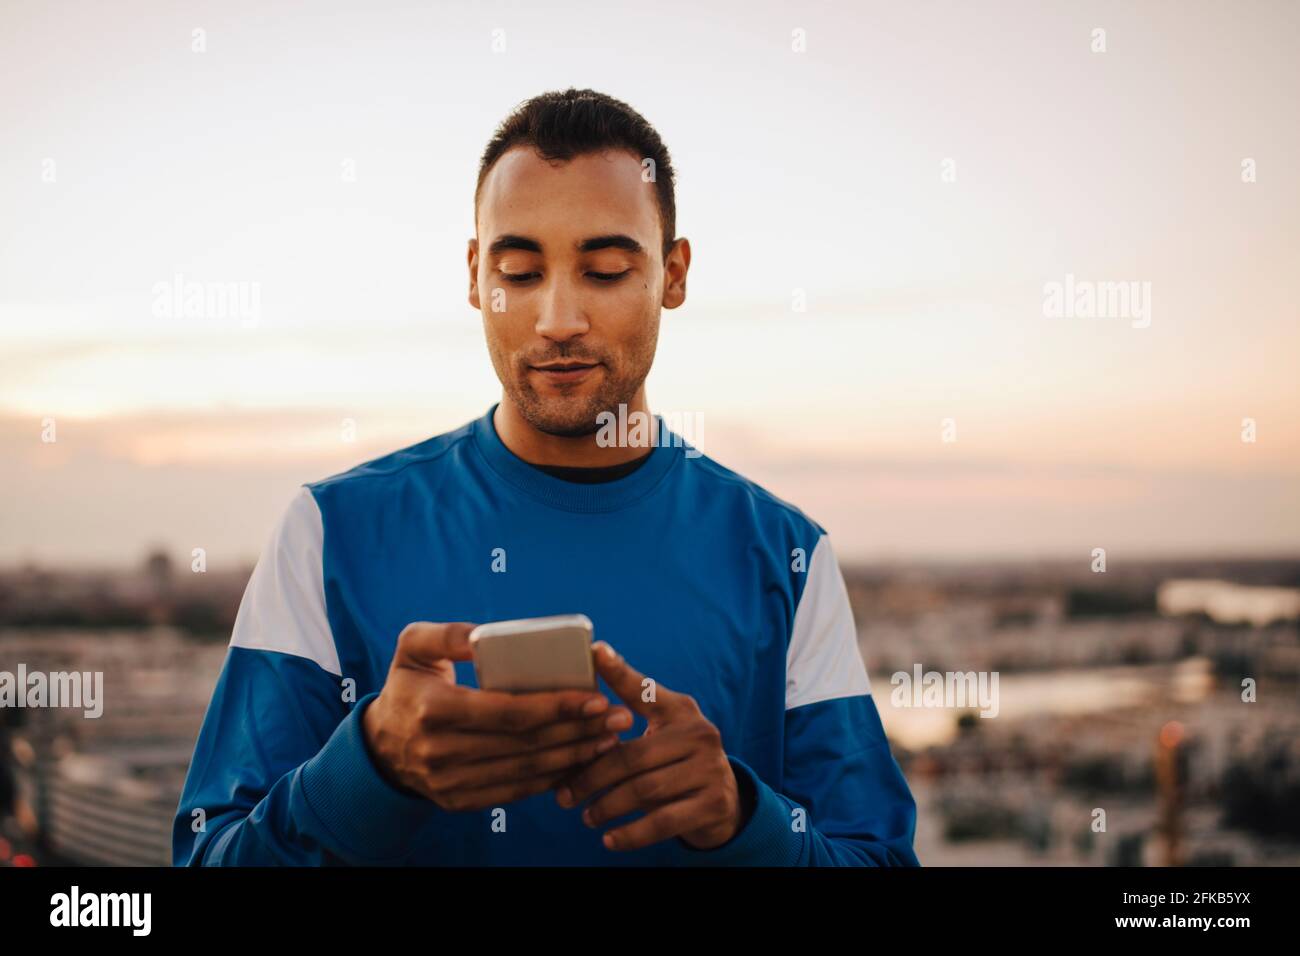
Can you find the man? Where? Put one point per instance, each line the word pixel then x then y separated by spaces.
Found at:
pixel 347 728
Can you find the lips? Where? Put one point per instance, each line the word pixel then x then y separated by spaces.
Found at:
pixel 564 371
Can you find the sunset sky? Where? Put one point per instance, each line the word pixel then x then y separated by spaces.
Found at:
pixel 327 155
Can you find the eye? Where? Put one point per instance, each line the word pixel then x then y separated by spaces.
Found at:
pixel 608 276
pixel 518 278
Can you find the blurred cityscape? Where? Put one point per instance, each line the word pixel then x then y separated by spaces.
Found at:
pixel 1145 716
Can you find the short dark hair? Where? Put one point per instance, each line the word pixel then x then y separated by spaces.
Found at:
pixel 562 125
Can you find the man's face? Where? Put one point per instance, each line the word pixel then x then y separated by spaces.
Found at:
pixel 567 270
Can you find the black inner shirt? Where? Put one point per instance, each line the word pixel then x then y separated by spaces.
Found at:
pixel 591 476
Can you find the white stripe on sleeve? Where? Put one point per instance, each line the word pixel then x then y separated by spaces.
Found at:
pixel 823 661
pixel 283 608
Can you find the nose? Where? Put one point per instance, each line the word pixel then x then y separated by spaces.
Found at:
pixel 561 316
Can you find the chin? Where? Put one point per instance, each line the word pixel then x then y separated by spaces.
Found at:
pixel 565 416
pixel 560 415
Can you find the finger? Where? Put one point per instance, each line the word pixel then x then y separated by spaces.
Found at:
pixel 663 823
pixel 482 798
pixel 644 792
pixel 629 684
pixel 483 773
pixel 456 744
pixel 468 708
pixel 423 644
pixel 630 758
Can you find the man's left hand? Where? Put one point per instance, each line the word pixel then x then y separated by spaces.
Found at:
pixel 676 773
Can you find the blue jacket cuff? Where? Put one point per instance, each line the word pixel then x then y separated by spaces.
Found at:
pixel 371 820
pixel 768 839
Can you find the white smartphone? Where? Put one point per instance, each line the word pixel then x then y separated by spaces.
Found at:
pixel 535 653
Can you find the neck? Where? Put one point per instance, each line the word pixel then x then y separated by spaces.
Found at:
pixel 539 448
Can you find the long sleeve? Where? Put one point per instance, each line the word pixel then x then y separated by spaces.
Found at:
pixel 281 773
pixel 843 800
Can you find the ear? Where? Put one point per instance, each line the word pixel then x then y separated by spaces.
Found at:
pixel 675 268
pixel 473 274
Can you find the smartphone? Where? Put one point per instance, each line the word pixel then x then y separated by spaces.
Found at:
pixel 535 653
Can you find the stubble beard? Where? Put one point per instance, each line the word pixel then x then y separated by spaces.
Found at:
pixel 574 415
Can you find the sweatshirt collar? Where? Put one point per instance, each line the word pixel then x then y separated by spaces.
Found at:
pixel 573 496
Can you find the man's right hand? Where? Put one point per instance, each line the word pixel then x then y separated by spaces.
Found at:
pixel 469 749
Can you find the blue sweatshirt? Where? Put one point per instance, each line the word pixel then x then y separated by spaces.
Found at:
pixel 698 577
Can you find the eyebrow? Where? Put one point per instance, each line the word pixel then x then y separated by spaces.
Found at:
pixel 524 244
pixel 615 241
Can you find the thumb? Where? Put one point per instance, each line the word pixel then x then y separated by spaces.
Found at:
pixel 424 644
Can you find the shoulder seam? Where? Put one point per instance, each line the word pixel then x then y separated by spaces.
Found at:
pixel 356 471
pixel 723 473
